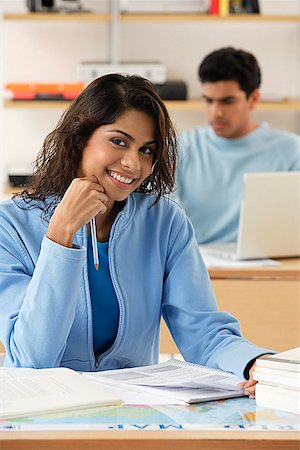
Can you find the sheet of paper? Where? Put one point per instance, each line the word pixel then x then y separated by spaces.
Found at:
pixel 134 395
pixel 171 373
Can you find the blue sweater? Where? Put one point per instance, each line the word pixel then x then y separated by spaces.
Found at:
pixel 155 267
pixel 209 183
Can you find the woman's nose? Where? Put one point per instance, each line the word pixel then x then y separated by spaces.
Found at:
pixel 131 160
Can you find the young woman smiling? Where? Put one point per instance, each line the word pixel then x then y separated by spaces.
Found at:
pixel 112 156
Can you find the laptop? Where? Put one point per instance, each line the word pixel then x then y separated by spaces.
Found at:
pixel 269 223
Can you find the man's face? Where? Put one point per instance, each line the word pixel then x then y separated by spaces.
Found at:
pixel 228 109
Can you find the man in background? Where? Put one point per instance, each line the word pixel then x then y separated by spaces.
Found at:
pixel 214 159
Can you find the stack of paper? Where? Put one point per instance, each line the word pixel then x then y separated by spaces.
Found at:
pixel 278 379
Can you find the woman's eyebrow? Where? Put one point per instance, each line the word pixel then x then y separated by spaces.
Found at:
pixel 122 132
pixel 129 136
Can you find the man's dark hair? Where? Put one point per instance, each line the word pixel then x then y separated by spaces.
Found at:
pixel 230 64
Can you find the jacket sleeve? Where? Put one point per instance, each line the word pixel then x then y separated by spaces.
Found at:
pixel 37 301
pixel 203 334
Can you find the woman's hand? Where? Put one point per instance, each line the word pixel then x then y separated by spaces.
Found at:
pixel 249 386
pixel 83 200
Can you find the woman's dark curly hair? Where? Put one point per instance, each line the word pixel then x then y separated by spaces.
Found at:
pixel 102 103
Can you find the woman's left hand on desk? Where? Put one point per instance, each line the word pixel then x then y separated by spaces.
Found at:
pixel 249 385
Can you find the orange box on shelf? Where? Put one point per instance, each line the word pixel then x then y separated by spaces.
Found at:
pixel 43 91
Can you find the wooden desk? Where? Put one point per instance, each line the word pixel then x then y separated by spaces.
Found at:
pixel 150 440
pixel 266 301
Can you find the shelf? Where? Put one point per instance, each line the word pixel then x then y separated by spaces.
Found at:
pixel 63 17
pixel 172 105
pixel 159 17
pixel 197 105
pixel 197 17
pixel 9 190
pixel 38 104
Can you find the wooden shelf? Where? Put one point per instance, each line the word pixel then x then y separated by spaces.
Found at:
pixel 172 105
pixel 197 17
pixel 151 17
pixel 9 190
pixel 197 105
pixel 38 104
pixel 63 17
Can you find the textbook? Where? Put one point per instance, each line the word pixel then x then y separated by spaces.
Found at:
pixel 278 397
pixel 288 360
pixel 180 381
pixel 278 379
pixel 27 392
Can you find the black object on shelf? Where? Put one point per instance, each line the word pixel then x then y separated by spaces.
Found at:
pixel 40 5
pixel 51 6
pixel 18 180
pixel 244 6
pixel 172 90
pixel 255 6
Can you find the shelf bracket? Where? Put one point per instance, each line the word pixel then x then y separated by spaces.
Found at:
pixel 114 56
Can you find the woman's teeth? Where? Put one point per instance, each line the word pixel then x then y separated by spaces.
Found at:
pixel 120 178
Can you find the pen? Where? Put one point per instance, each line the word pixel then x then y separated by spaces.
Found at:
pixel 94 243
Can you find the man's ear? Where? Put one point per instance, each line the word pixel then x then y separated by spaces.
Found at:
pixel 254 98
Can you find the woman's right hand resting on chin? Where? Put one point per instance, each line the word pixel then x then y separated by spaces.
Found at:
pixel 83 200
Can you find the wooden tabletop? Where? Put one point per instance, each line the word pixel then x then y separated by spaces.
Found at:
pixel 150 440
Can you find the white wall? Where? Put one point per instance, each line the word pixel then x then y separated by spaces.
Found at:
pixel 51 51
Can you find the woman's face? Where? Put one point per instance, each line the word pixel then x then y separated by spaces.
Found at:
pixel 120 154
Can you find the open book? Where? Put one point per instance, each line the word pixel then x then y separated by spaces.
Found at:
pixel 25 392
pixel 182 382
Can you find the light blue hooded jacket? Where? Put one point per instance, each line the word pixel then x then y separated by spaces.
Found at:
pixel 156 269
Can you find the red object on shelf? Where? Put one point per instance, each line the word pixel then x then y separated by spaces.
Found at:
pixel 43 91
pixel 214 7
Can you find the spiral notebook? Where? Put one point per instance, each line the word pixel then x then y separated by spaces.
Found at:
pixel 181 381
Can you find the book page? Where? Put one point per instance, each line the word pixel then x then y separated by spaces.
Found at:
pixel 173 373
pixel 28 385
pixel 37 391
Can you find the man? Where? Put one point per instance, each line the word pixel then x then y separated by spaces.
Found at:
pixel 214 159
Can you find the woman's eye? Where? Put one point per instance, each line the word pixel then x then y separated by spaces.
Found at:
pixel 147 150
pixel 119 142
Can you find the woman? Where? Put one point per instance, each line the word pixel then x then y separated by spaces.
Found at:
pixel 112 157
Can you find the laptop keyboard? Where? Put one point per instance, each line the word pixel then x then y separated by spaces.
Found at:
pixel 221 250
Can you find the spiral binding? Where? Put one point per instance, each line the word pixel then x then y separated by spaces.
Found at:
pixel 199 366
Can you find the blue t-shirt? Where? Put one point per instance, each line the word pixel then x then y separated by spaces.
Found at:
pixel 209 181
pixel 105 307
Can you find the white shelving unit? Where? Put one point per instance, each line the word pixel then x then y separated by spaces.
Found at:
pixel 112 36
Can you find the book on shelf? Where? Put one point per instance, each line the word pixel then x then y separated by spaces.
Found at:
pixel 288 360
pixel 278 379
pixel 27 392
pixel 179 381
pixel 43 91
